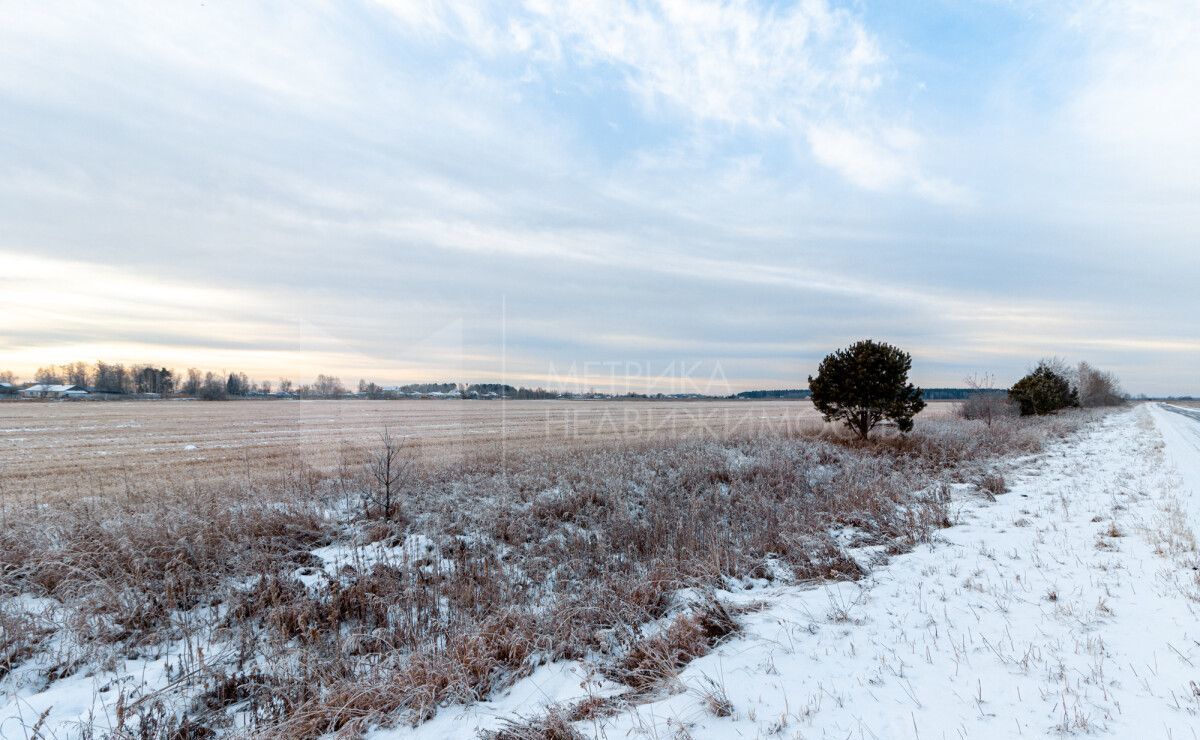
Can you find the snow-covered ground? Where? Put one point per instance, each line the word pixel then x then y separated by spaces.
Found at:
pixel 1069 605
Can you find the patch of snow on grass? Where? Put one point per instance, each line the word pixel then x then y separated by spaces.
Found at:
pixel 1067 605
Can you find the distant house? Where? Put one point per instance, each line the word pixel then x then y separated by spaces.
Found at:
pixel 8 389
pixel 47 390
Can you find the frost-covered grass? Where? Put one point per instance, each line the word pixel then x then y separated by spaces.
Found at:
pixel 285 606
pixel 1065 607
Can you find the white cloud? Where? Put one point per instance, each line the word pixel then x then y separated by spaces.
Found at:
pixel 882 160
pixel 1139 107
pixel 290 56
pixel 806 70
pixel 859 157
pixel 351 184
pixel 736 63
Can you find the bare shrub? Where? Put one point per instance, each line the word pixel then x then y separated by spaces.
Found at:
pixel 553 725
pixel 20 638
pixel 716 699
pixel 652 661
pixel 595 707
pixel 388 467
pixel 1097 388
pixel 994 484
pixel 985 402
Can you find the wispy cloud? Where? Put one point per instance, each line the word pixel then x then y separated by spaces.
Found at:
pixel 804 72
pixel 384 185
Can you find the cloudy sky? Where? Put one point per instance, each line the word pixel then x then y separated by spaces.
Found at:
pixel 663 193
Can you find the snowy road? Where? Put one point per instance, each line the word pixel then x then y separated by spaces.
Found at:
pixel 1181 433
pixel 1070 605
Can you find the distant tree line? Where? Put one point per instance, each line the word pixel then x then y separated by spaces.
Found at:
pixel 957 394
pixel 107 377
pixel 428 388
pixel 114 379
pixel 110 378
pixel 501 390
pixel 786 393
pixel 1050 387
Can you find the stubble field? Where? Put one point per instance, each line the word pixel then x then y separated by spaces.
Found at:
pixel 101 447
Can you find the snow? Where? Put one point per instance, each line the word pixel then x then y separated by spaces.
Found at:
pixel 417 549
pixel 561 682
pixel 75 700
pixel 1066 606
pixel 1181 435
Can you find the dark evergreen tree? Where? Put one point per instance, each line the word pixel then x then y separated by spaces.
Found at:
pixel 1043 391
pixel 865 384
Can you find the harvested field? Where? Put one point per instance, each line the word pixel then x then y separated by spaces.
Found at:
pixel 100 447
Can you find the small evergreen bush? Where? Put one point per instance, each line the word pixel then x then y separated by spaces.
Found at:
pixel 865 384
pixel 1043 391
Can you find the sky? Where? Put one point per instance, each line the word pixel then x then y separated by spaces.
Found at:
pixel 671 195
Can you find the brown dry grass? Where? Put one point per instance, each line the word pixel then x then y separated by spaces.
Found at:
pixel 534 552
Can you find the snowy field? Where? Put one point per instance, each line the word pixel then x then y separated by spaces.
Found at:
pixel 1064 605
pixel 1068 606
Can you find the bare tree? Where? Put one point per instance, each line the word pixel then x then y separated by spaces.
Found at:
pixel 1059 366
pixel 50 375
pixel 150 379
pixel 77 373
pixel 984 401
pixel 7 376
pixel 191 386
pixel 388 467
pixel 329 386
pixel 111 378
pixel 213 388
pixel 1097 387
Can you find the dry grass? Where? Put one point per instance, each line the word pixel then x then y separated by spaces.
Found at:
pixel 553 725
pixel 653 662
pixel 501 560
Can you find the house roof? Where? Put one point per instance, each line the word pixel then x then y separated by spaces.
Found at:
pixel 51 388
